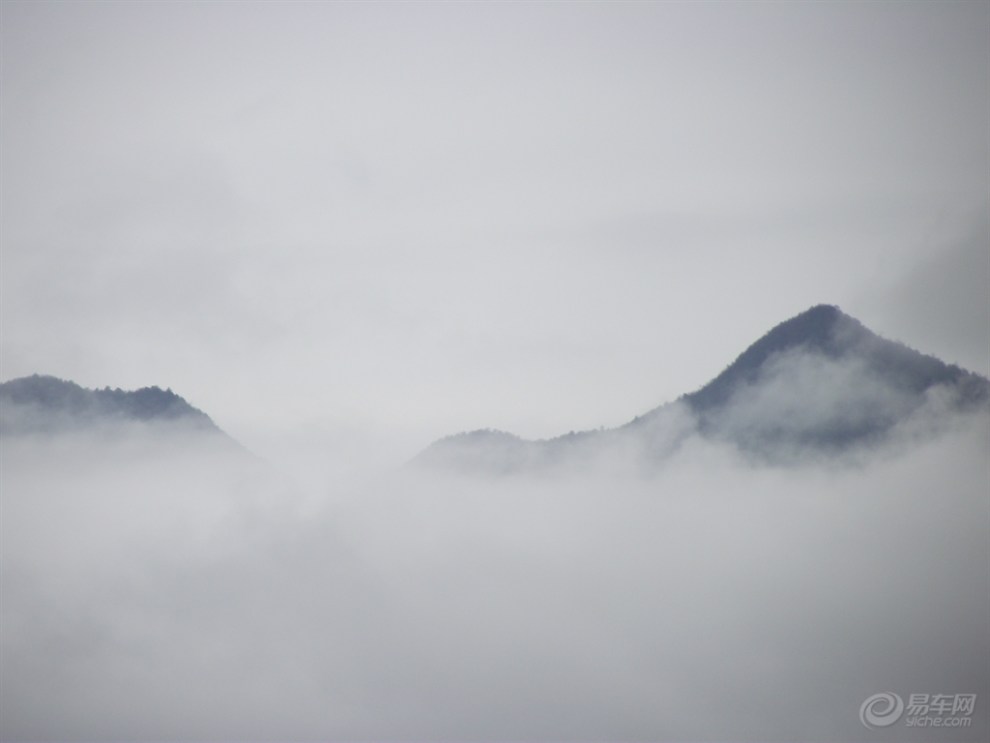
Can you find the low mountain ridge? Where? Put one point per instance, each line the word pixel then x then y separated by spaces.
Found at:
pixel 820 383
pixel 42 404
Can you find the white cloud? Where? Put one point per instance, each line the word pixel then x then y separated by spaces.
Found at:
pixel 712 600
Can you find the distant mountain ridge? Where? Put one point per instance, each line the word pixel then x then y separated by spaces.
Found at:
pixel 46 404
pixel 820 382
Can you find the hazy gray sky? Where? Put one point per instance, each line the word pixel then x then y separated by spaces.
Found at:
pixel 329 221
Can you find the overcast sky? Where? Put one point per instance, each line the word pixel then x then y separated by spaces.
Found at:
pixel 332 222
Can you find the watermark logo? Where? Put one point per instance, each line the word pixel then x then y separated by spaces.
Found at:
pixel 922 710
pixel 881 710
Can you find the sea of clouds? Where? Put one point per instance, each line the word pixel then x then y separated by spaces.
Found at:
pixel 155 588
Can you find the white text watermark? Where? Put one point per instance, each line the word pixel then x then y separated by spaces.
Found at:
pixel 921 711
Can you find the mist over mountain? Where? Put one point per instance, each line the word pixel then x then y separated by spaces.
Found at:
pixel 820 384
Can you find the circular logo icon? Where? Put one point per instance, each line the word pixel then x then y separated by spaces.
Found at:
pixel 881 710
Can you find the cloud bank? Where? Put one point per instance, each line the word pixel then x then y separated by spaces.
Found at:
pixel 171 597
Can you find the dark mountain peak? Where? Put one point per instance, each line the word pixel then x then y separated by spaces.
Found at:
pixel 825 332
pixel 822 379
pixel 814 325
pixel 46 404
pixel 823 329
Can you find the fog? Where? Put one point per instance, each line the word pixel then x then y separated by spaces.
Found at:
pixel 174 592
pixel 806 407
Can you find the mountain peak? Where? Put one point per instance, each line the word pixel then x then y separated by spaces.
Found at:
pixel 823 378
pixel 823 326
pixel 823 329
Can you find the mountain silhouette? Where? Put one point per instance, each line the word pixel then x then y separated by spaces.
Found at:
pixel 818 384
pixel 48 405
pixel 827 331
